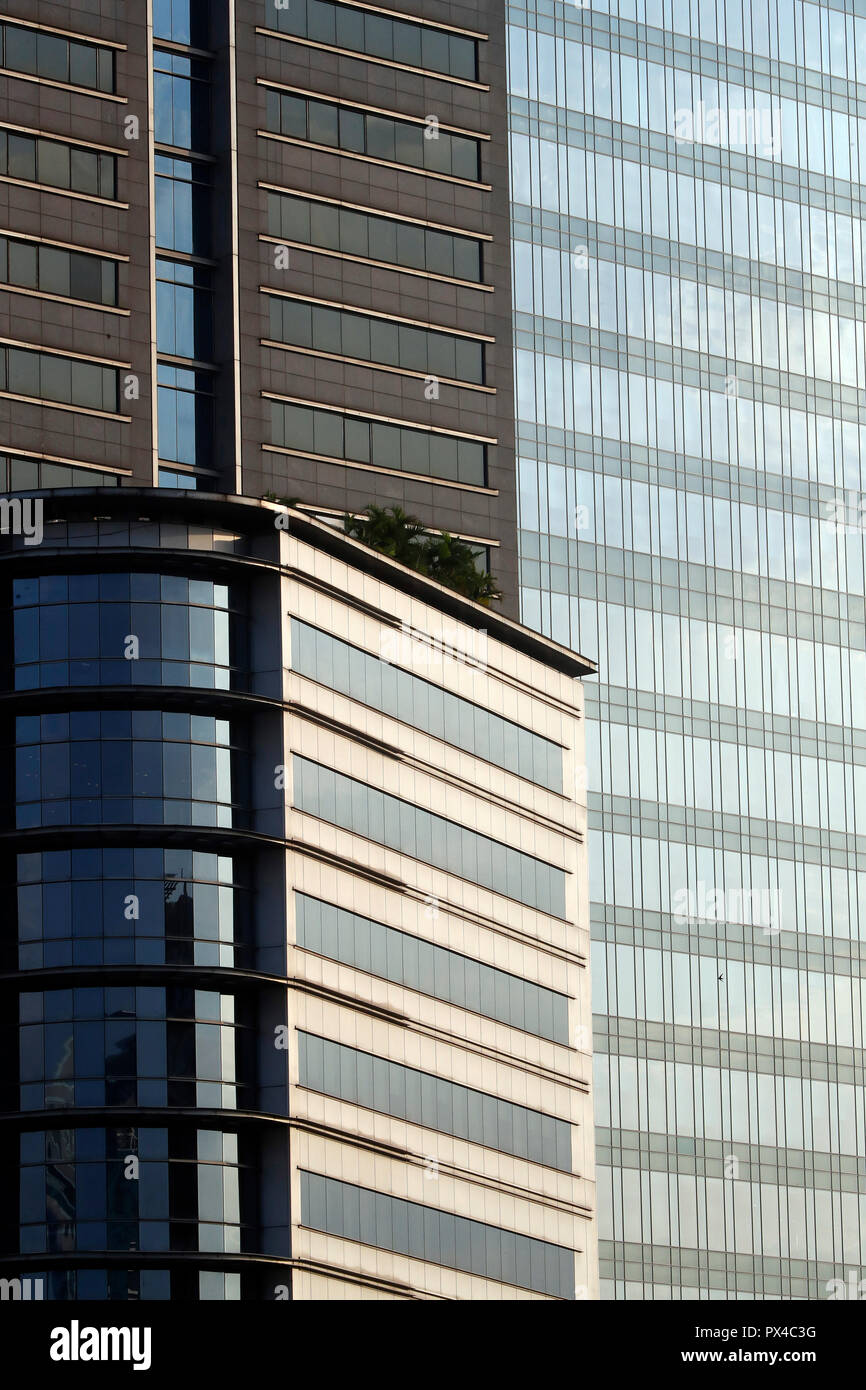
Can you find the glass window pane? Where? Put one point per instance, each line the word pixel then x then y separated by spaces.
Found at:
pixel 23 264
pixel 324 123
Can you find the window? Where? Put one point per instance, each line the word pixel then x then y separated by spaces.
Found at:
pixel 184 1284
pixel 431 1101
pixel 71 630
pixel 366 440
pixel 397 40
pixel 25 372
pixel 126 1045
pixel 192 1193
pixel 342 331
pixel 424 705
pixel 184 310
pixel 55 270
pixel 184 415
pixel 381 137
pixel 126 767
pixel 54 57
pixel 29 475
pixel 57 164
pixel 182 188
pixel 192 908
pixel 419 965
pixel 181 91
pixel 181 21
pixel 410 830
pixel 186 481
pixel 410 1228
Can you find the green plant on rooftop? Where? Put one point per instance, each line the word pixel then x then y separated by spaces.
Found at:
pixel 449 560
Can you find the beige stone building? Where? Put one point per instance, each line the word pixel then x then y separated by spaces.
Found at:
pixel 442 1138
pixel 310 829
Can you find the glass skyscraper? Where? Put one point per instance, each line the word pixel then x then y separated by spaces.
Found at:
pixel 294 952
pixel 691 399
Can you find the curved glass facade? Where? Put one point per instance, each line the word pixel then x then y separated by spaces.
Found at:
pixel 137 1188
pixel 87 1284
pixel 178 1039
pixel 127 1045
pixel 125 629
pixel 123 767
pixel 124 906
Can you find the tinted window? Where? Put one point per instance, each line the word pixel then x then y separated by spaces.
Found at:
pixel 419 965
pixel 397 40
pixel 410 1228
pixel 411 830
pixel 422 1099
pixel 379 137
pixel 363 439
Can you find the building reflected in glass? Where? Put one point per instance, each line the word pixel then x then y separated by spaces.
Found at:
pixel 691 394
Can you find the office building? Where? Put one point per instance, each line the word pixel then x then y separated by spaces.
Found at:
pixel 691 406
pixel 262 249
pixel 296 997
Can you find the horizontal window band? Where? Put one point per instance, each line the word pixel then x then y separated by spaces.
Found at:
pixel 458 913
pixel 709 1153
pixel 348 1074
pixel 376 314
pixel 454 29
pixel 378 366
pixel 14 74
pixel 63 245
pixel 454 780
pixel 72 33
pixel 61 405
pixel 375 212
pixel 487 862
pixel 617 1036
pixel 62 352
pixel 370 1144
pixel 64 139
pixel 391 472
pixel 443 1239
pixel 65 299
pixel 64 192
pixel 373 110
pixel 335 435
pixel 10 451
pixel 727 167
pixel 480 732
pixel 460 1045
pixel 382 419
pixel 371 159
pixel 774 280
pixel 761 69
pixel 311 249
pixel 363 57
